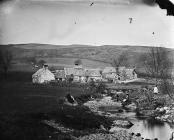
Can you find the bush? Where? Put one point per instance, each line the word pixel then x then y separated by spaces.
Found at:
pixel 83 98
pixel 159 101
pixel 100 88
pixel 147 100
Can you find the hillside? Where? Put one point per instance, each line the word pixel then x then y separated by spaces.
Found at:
pixel 94 56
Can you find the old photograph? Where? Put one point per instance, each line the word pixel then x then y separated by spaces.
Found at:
pixel 87 70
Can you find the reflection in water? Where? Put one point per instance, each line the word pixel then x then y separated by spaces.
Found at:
pixel 152 129
pixel 152 123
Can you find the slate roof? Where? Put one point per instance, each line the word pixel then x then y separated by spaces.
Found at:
pixel 69 71
pixel 109 70
pixel 59 74
pixel 74 71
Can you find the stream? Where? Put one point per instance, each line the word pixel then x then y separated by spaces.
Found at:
pixel 148 128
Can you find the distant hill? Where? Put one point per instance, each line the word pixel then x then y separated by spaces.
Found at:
pixel 103 54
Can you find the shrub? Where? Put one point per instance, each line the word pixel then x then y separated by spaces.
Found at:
pixel 100 88
pixel 83 98
pixel 159 101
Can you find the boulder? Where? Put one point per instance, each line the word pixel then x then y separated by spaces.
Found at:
pixel 115 129
pixel 161 110
pixel 166 108
pixel 132 106
pixel 117 135
pixel 138 134
pixel 122 123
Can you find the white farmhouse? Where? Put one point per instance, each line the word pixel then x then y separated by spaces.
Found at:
pixel 43 75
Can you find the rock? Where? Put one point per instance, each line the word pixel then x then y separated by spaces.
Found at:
pixel 167 111
pixel 161 110
pixel 120 110
pixel 138 134
pixel 117 135
pixel 158 118
pixel 115 129
pixel 58 126
pixel 102 127
pixel 165 108
pixel 146 112
pixel 166 116
pixel 122 123
pixel 132 133
pixel 157 109
pixel 107 113
pixel 132 106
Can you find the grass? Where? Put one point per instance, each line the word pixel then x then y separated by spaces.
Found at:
pixel 18 94
pixel 24 105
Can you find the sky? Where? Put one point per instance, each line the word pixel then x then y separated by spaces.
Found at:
pixel 66 22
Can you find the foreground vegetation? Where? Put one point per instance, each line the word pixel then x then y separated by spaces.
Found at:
pixel 24 106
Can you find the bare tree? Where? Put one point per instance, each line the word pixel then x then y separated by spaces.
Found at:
pixel 121 60
pixel 41 62
pixel 158 65
pixel 5 60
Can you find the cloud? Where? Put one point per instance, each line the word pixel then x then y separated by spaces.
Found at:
pixel 68 23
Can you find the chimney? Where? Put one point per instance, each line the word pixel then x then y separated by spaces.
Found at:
pixel 45 66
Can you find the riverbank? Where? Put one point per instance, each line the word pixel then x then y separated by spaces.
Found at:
pixel 70 122
pixel 161 107
pixel 107 104
pixel 86 122
pixel 80 123
pixel 165 114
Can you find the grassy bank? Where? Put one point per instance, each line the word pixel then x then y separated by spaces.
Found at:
pixel 18 94
pixel 23 107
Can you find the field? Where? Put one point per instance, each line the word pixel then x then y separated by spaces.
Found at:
pixel 23 106
pixel 59 56
pixel 91 56
pixel 18 94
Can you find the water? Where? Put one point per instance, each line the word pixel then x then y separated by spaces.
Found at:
pixel 151 129
pixel 148 128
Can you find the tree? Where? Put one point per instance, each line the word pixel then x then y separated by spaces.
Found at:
pixel 119 61
pixel 41 62
pixel 5 60
pixel 158 64
pixel 78 62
